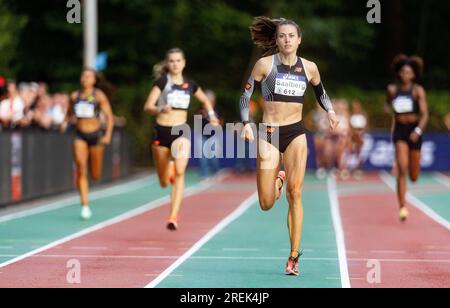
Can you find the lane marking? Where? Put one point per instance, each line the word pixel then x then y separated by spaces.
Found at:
pixel 339 231
pixel 71 201
pixel 133 213
pixel 212 233
pixel 442 179
pixel 388 179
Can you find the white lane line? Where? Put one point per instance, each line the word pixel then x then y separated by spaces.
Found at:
pixel 387 178
pixel 136 212
pixel 217 229
pixel 339 230
pixel 442 179
pixel 156 275
pixel 69 201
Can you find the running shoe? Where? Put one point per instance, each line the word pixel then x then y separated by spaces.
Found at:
pixel 292 266
pixel 404 214
pixel 172 224
pixel 86 213
pixel 282 177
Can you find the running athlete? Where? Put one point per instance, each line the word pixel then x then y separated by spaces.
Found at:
pixel 358 123
pixel 283 78
pixel 169 101
pixel 86 106
pixel 408 101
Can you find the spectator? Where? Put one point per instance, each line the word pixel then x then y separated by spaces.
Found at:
pixel 12 108
pixel 59 109
pixel 43 115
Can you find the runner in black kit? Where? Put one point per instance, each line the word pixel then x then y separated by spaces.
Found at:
pixel 408 101
pixel 86 105
pixel 169 101
pixel 283 78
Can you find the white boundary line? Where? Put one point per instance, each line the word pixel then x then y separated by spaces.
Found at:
pixel 442 179
pixel 136 212
pixel 107 192
pixel 339 230
pixel 388 179
pixel 212 233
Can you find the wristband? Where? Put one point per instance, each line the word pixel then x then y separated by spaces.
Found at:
pixel 418 131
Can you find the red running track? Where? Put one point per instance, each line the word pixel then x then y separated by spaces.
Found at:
pixel 134 252
pixel 412 255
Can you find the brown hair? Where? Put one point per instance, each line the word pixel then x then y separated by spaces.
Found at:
pixel 415 62
pixel 161 69
pixel 264 31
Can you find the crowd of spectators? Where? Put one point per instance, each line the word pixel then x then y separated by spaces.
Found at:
pixel 26 105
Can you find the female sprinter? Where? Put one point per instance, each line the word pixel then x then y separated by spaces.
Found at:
pixel 169 101
pixel 86 105
pixel 283 77
pixel 409 104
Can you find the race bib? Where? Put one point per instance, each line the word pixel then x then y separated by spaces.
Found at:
pixel 84 110
pixel 403 104
pixel 290 85
pixel 179 99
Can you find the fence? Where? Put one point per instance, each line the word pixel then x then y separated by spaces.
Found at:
pixel 35 163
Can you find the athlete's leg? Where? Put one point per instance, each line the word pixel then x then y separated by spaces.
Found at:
pixel 96 161
pixel 295 159
pixel 181 150
pixel 81 155
pixel 414 165
pixel 402 159
pixel 161 157
pixel 268 166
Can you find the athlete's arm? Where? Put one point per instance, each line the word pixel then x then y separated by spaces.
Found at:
pixel 258 74
pixel 105 107
pixel 423 105
pixel 390 92
pixel 321 95
pixel 150 105
pixel 69 113
pixel 201 96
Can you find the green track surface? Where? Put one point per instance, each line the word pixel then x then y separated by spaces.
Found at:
pixel 235 257
pixel 23 235
pixel 437 201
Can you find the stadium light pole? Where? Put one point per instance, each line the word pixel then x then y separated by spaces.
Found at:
pixel 90 16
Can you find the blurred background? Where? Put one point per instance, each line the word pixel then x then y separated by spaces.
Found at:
pixel 38 45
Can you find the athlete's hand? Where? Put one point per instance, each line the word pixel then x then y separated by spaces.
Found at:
pixel 166 109
pixel 414 137
pixel 214 121
pixel 106 140
pixel 247 133
pixel 334 122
